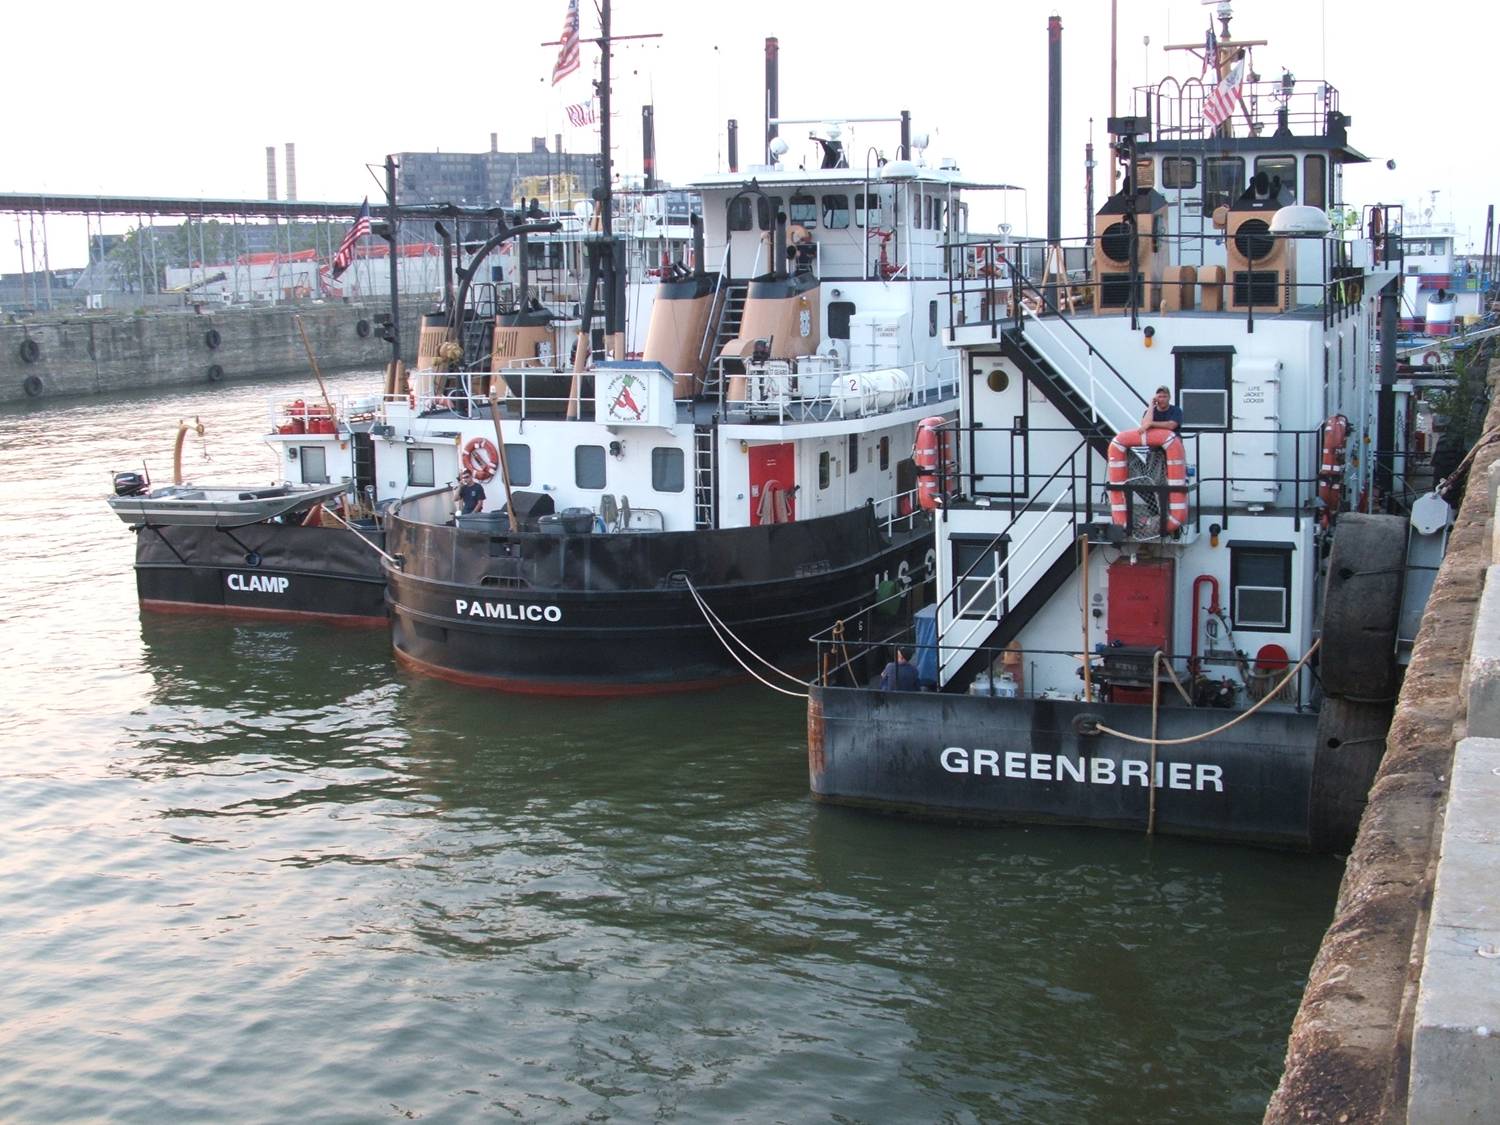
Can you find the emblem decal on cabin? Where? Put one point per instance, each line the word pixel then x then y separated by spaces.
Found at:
pixel 627 398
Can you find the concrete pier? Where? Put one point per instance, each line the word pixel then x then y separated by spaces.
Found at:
pixel 1401 1017
pixel 44 358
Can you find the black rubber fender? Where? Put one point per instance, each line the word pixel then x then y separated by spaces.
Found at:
pixel 1362 607
pixel 215 373
pixel 1351 742
pixel 30 350
pixel 32 385
pixel 362 329
pixel 212 339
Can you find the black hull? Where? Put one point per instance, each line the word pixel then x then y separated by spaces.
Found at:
pixel 645 632
pixel 1270 780
pixel 269 571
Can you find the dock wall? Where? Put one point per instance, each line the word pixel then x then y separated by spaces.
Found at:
pixel 106 353
pixel 1399 1016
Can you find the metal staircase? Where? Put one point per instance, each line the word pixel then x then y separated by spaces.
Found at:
pixel 730 309
pixel 703 477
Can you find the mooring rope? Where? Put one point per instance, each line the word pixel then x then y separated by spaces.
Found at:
pixel 721 631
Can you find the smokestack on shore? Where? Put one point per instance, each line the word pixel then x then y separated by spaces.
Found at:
pixel 271 172
pixel 291 172
pixel 1054 129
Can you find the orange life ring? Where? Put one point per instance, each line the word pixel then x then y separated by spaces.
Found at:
pixel 481 458
pixel 1331 469
pixel 1119 474
pixel 937 468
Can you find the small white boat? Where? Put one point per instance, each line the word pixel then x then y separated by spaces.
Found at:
pixel 187 505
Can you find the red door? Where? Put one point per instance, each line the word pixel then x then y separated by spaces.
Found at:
pixel 773 475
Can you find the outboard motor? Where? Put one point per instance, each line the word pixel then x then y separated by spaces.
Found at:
pixel 131 484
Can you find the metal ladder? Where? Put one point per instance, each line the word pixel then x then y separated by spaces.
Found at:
pixel 703 477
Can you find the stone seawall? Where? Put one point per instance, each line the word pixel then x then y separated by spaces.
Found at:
pixel 106 353
pixel 1349 1055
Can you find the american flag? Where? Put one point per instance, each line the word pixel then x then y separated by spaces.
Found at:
pixel 1210 52
pixel 581 114
pixel 567 57
pixel 345 257
pixel 1221 101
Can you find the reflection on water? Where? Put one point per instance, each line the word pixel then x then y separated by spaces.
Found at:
pixel 253 871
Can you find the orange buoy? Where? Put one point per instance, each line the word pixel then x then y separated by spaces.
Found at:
pixel 1119 473
pixel 481 458
pixel 937 468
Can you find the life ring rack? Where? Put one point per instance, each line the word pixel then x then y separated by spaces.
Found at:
pixel 1172 447
pixel 481 458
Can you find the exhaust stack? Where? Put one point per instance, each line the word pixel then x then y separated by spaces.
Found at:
pixel 1054 129
pixel 773 90
pixel 648 146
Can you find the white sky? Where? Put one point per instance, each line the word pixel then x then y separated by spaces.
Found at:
pixel 175 98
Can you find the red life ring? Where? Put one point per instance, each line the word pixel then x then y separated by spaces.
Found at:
pixel 481 458
pixel 1119 473
pixel 1331 469
pixel 937 468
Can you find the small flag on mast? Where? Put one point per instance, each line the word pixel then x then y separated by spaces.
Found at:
pixel 581 114
pixel 1220 102
pixel 345 256
pixel 567 56
pixel 1210 53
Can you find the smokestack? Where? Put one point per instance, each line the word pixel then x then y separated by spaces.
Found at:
pixel 773 99
pixel 1054 129
pixel 905 135
pixel 291 172
pixel 648 145
pixel 271 172
pixel 734 145
pixel 494 142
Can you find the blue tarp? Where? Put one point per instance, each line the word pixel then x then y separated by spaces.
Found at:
pixel 926 649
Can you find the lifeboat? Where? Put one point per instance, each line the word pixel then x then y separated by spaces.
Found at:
pixel 1119 474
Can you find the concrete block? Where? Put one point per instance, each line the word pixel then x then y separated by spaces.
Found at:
pixel 1455 1061
pixel 1483 671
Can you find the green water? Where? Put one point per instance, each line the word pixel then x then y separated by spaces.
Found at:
pixel 253 872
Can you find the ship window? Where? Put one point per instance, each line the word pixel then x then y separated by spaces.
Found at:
pixel 853 452
pixel 739 213
pixel 976 593
pixel 867 210
pixel 666 469
pixel 1286 168
pixel 588 466
pixel 518 464
pixel 803 210
pixel 1223 181
pixel 825 469
pixel 839 315
pixel 1203 384
pixel 885 453
pixel 836 212
pixel 932 318
pixel 939 214
pixel 1315 180
pixel 1260 578
pixel 314 460
pixel 1179 172
pixel 419 469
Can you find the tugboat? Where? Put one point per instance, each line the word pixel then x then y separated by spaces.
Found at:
pixel 1165 602
pixel 672 518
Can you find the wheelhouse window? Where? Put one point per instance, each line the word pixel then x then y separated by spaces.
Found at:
pixel 667 469
pixel 836 212
pixel 1223 181
pixel 767 207
pixel 803 210
pixel 588 466
pixel 419 468
pixel 740 213
pixel 1260 583
pixel 518 464
pixel 314 461
pixel 1203 386
pixel 1179 172
pixel 985 555
pixel 1315 181
pixel 1286 168
pixel 867 211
